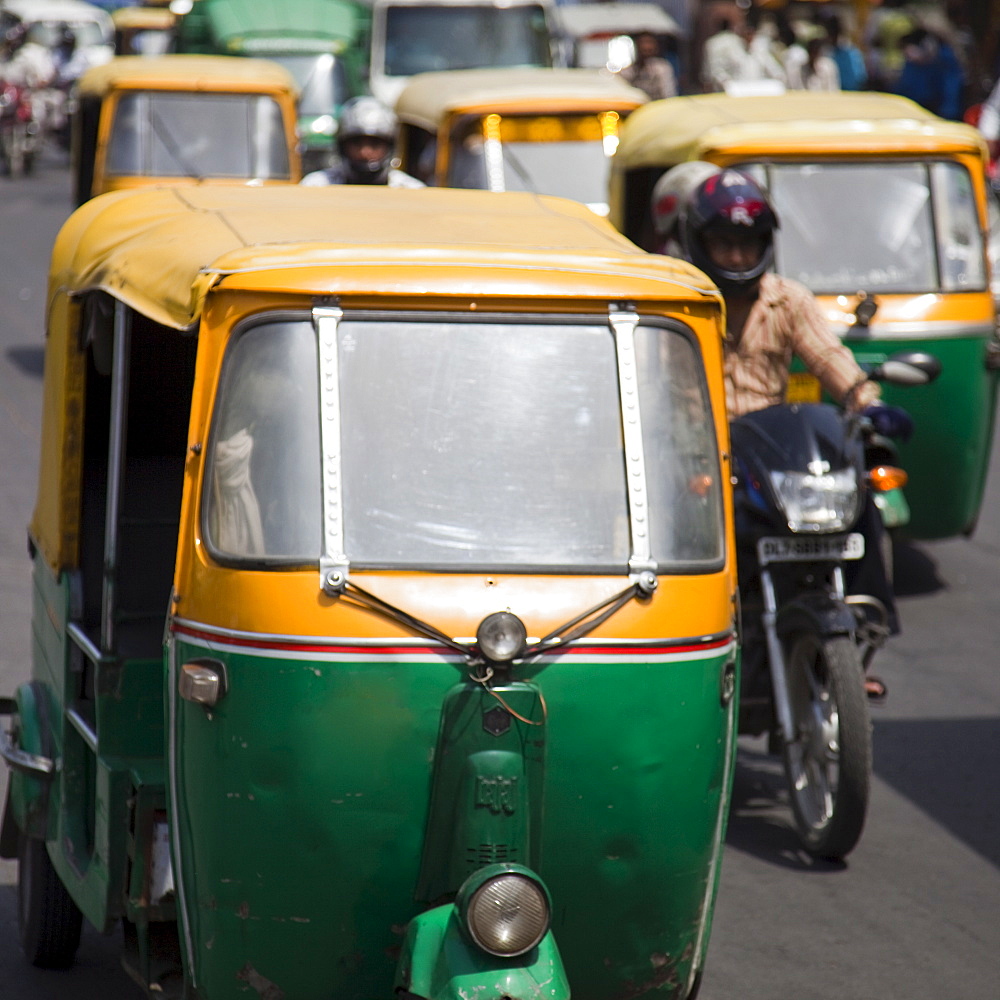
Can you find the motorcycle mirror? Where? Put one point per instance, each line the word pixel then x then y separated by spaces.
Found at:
pixel 908 368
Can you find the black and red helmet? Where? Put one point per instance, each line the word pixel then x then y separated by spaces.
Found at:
pixel 730 203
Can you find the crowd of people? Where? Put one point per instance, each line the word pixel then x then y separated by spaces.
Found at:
pixel 923 51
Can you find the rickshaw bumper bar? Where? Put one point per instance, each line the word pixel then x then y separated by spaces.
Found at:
pixel 20 760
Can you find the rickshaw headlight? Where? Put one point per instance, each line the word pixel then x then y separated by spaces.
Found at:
pixel 505 910
pixel 501 636
pixel 827 501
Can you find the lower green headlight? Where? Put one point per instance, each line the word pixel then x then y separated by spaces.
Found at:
pixel 508 914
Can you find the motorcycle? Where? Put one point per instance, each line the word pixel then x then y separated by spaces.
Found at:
pixel 18 130
pixel 805 473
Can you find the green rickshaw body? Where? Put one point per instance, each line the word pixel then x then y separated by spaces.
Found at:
pixel 299 774
pixel 881 202
pixel 643 817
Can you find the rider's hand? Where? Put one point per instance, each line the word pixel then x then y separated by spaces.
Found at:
pixel 889 421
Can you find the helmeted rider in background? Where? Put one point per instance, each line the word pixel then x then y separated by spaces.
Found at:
pixel 726 229
pixel 366 142
pixel 670 196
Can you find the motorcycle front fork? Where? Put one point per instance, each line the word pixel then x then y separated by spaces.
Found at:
pixel 776 653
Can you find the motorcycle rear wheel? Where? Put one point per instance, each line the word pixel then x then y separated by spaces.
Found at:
pixel 828 764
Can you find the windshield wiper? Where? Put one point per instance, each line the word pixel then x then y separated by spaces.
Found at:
pixel 576 628
pixel 519 168
pixel 171 146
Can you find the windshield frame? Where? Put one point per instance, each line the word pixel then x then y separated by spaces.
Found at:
pixel 762 171
pixel 388 37
pixel 138 141
pixel 325 321
pixel 481 158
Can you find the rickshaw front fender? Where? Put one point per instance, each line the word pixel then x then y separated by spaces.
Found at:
pixel 818 613
pixel 439 962
pixel 28 790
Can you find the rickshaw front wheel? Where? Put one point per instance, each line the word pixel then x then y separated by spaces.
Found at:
pixel 828 764
pixel 49 921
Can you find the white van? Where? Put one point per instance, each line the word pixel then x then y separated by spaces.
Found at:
pixel 419 36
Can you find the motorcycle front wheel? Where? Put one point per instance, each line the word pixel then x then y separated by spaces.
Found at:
pixel 829 763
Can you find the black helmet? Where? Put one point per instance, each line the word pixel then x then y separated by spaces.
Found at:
pixel 728 203
pixel 366 117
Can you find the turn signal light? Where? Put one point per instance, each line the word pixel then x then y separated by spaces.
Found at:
pixel 886 477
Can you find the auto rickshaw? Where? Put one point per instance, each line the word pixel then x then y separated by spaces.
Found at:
pixel 384 582
pixel 551 131
pixel 183 119
pixel 143 30
pixel 883 212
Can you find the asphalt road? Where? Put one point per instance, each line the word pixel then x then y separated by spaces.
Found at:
pixel 915 912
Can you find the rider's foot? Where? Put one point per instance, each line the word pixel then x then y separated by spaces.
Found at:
pixel 875 688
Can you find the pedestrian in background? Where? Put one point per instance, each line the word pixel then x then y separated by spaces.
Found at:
pixel 650 72
pixel 850 62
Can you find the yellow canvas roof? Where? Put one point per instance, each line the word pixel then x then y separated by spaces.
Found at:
pixel 428 97
pixel 161 249
pixel 685 128
pixel 187 72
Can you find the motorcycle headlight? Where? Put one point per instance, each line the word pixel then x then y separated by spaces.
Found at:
pixel 827 501
pixel 506 912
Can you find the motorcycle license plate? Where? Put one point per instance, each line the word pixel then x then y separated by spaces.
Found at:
pixel 799 548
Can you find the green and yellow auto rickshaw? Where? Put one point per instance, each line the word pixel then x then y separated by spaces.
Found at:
pixel 884 212
pixel 384 600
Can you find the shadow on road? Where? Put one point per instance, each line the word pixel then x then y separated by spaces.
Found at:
pixel 760 818
pixel 30 360
pixel 948 769
pixel 914 572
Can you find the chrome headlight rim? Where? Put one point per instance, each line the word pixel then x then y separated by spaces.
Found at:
pixel 495 881
pixel 795 493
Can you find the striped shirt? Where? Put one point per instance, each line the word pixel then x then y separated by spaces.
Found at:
pixel 784 321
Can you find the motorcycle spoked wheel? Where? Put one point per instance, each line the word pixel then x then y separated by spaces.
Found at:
pixel 829 764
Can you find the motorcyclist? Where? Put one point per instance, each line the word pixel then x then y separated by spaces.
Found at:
pixel 366 139
pixel 670 195
pixel 726 229
pixel 24 63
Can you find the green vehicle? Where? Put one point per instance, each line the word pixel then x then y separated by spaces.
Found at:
pixel 885 216
pixel 324 44
pixel 384 618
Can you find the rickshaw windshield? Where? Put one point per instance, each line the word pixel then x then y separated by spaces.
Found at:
pixel 567 157
pixel 322 81
pixel 424 39
pixel 882 227
pixel 197 135
pixel 489 444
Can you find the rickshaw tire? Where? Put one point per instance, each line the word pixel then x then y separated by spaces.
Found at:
pixel 695 986
pixel 50 923
pixel 845 678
